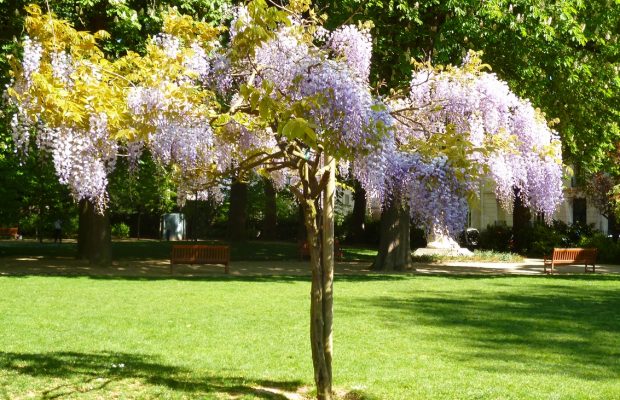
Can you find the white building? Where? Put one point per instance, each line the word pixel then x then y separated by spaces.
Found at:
pixel 486 210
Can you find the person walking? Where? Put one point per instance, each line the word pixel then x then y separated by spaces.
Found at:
pixel 58 231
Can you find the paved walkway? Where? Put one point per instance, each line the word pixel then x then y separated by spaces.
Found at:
pixel 161 268
pixel 530 266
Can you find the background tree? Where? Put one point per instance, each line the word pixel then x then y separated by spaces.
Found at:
pixel 454 127
pixel 139 192
pixel 177 101
pixel 270 220
pixel 357 220
pixel 600 190
pixel 130 22
pixel 562 55
pixel 238 210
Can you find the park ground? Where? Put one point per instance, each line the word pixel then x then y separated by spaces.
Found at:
pixel 452 330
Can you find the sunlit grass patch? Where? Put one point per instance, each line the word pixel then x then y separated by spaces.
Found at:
pixel 478 256
pixel 396 337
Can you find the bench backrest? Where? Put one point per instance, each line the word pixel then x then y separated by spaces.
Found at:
pixel 200 253
pixel 575 254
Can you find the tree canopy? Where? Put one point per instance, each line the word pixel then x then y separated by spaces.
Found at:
pixel 563 56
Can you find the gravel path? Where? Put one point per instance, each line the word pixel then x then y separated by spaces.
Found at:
pixel 161 268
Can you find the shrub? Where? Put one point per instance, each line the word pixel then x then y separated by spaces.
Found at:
pixel 608 250
pixel 120 231
pixel 543 238
pixel 497 238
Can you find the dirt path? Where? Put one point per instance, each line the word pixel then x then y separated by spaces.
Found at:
pixel 161 268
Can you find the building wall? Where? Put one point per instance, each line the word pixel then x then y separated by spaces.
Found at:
pixel 486 210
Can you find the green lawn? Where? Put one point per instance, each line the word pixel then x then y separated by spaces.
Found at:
pixel 154 249
pixel 396 337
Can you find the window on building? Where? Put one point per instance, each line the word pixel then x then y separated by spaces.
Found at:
pixel 579 211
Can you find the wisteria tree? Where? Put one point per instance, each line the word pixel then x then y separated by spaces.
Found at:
pixel 453 128
pixel 283 96
pixel 287 98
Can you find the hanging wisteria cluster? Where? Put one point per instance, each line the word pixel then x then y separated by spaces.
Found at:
pixel 435 195
pixel 82 148
pixel 524 152
pixel 343 111
pixel 508 141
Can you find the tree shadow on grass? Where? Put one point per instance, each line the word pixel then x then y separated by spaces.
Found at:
pixel 537 327
pixel 94 372
pixel 109 274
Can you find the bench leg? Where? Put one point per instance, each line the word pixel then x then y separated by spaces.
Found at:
pixel 226 269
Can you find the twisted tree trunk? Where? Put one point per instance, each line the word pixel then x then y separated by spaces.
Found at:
pixel 237 212
pixel 521 216
pixel 271 219
pixel 394 247
pixel 358 216
pixel 321 248
pixel 94 235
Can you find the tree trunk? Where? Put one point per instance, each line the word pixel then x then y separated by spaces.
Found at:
pixel 612 226
pixel 271 219
pixel 301 224
pixel 322 263
pixel 358 217
pixel 394 248
pixel 40 222
pixel 238 211
pixel 520 222
pixel 329 202
pixel 94 236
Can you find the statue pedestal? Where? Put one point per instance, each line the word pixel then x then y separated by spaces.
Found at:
pixel 442 245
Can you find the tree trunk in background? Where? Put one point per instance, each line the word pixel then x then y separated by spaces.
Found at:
pixel 394 248
pixel 358 217
pixel 271 218
pixel 520 222
pixel 40 222
pixel 301 226
pixel 612 226
pixel 94 236
pixel 237 213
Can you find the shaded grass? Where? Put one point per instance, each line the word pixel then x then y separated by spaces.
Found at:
pixel 395 337
pixel 150 249
pixel 153 249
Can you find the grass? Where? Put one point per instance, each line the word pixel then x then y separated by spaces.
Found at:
pixel 396 337
pixel 246 251
pixel 154 249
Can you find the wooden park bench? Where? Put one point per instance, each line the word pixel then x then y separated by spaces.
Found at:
pixel 10 232
pixel 571 256
pixel 200 254
pixel 304 250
